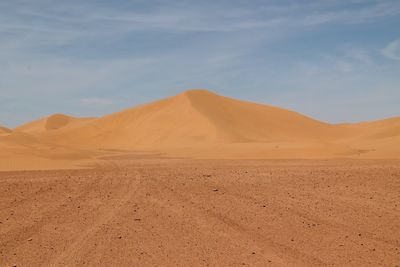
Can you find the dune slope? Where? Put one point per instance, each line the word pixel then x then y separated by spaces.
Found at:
pixel 245 121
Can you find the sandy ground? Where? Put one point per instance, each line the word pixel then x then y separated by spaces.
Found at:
pixel 159 212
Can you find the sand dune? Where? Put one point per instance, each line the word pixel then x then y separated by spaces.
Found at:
pixel 201 124
pixel 22 151
pixel 194 118
pixel 198 123
pixel 51 123
pixel 376 129
pixel 22 148
pixel 376 139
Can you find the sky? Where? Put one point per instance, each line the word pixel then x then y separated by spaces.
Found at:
pixel 336 61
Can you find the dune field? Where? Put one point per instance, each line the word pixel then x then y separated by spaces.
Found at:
pixel 200 179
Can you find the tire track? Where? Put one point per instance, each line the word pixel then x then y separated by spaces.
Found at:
pixel 73 248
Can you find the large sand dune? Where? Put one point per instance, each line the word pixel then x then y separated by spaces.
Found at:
pixel 201 124
pixel 197 117
pixel 198 123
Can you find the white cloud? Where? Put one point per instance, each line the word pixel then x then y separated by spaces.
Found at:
pixel 96 101
pixel 359 55
pixel 392 50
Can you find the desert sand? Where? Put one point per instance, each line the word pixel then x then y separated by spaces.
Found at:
pixel 200 179
pixel 147 211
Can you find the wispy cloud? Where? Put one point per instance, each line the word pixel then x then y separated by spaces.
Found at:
pixel 65 22
pixel 392 50
pixel 360 55
pixel 96 101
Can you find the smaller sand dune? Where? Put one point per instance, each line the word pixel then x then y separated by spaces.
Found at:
pixel 51 123
pixel 23 151
pixel 376 129
pixel 375 139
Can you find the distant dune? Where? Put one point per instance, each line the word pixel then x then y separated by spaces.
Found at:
pixel 51 123
pixel 377 139
pixel 201 124
pixel 23 151
pixel 377 129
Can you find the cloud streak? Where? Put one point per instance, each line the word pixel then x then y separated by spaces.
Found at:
pixel 96 101
pixel 392 50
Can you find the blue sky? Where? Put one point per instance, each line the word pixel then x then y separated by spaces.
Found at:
pixel 337 61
